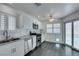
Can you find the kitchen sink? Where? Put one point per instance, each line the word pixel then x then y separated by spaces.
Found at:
pixel 12 39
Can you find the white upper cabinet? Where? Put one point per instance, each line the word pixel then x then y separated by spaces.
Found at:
pixel 25 22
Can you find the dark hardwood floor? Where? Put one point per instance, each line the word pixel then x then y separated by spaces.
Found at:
pixel 52 49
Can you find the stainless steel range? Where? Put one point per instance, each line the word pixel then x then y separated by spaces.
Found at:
pixel 38 38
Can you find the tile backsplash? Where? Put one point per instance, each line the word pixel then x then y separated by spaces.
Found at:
pixel 15 33
pixel 18 33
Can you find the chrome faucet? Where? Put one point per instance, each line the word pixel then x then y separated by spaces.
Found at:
pixel 5 33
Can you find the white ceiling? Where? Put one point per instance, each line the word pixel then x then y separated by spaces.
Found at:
pixel 58 10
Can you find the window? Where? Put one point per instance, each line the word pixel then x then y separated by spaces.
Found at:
pixel 53 28
pixel 11 23
pixel 2 22
pixel 56 28
pixel 72 33
pixel 76 34
pixel 49 28
pixel 68 33
pixel 7 22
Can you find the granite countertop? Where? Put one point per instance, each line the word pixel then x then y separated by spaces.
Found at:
pixel 9 41
pixel 25 37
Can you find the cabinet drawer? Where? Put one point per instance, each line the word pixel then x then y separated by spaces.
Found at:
pixel 30 44
pixel 5 50
pixel 18 48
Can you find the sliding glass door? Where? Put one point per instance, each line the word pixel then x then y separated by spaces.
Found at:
pixel 72 34
pixel 68 31
pixel 76 34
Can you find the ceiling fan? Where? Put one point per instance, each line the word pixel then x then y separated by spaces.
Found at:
pixel 50 18
pixel 37 4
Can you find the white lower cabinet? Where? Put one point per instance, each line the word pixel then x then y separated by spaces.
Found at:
pixel 17 48
pixel 5 50
pixel 12 49
pixel 34 42
pixel 30 44
pixel 26 48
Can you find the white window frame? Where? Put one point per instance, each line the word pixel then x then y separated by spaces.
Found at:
pixel 7 22
pixel 54 28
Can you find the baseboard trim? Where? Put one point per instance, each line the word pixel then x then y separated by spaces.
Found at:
pixel 72 47
pixel 54 42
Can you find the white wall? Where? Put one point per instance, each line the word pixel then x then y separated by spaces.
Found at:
pixel 24 24
pixel 52 37
pixel 7 9
pixel 71 17
pixel 23 21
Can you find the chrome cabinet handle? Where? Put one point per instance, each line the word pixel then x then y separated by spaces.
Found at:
pixel 13 50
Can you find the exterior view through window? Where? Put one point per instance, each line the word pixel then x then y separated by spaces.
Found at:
pixel 76 34
pixel 69 33
pixel 53 28
pixel 72 34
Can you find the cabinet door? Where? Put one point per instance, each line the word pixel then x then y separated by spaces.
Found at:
pixel 18 48
pixel 26 47
pixel 5 50
pixel 34 42
pixel 30 44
